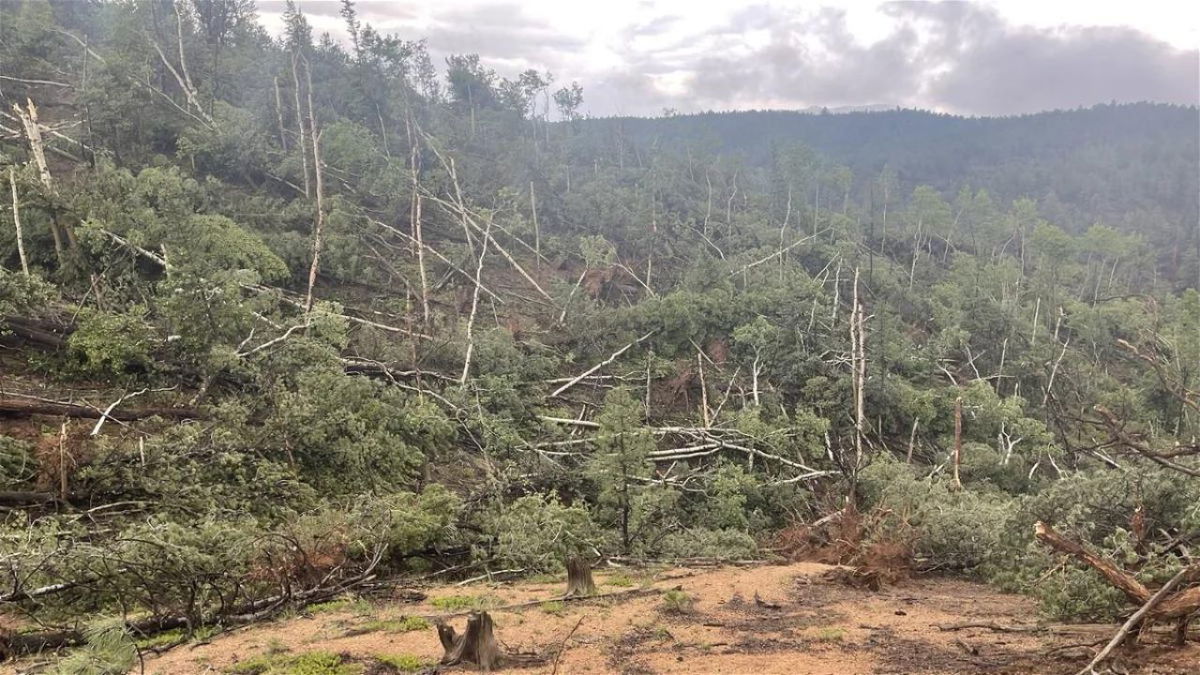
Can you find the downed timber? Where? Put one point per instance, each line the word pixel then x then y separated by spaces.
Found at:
pixel 1132 588
pixel 14 644
pixel 1143 612
pixel 1162 605
pixel 25 407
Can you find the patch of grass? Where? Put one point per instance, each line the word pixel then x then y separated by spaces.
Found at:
pixel 829 635
pixel 402 625
pixel 161 640
pixel 555 607
pixel 544 578
pixel 405 663
pixel 176 636
pixel 275 646
pixel 677 602
pixel 458 603
pixel 329 606
pixel 308 663
pixel 620 581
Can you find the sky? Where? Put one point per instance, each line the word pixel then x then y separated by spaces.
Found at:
pixel 642 57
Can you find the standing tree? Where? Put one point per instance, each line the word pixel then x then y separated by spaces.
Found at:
pixel 619 464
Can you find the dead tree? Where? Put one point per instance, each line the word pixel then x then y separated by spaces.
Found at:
pixel 16 208
pixel 476 646
pixel 579 578
pixel 319 224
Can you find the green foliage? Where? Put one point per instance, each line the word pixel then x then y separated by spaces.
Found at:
pixel 17 463
pixel 956 529
pixel 1042 276
pixel 715 544
pixel 619 460
pixel 538 533
pixel 113 344
pixel 110 650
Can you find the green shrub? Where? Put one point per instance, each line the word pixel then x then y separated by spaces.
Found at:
pixel 677 602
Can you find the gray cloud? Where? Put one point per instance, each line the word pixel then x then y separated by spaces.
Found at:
pixel 374 10
pixel 503 32
pixel 955 56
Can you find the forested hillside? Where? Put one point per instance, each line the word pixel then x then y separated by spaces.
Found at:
pixel 1133 167
pixel 279 317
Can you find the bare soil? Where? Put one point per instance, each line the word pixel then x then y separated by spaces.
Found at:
pixel 755 619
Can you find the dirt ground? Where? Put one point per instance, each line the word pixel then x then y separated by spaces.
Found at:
pixel 756 619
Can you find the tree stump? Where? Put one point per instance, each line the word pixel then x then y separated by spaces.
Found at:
pixel 579 578
pixel 476 646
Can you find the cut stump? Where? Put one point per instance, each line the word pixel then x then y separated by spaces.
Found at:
pixel 579 578
pixel 476 646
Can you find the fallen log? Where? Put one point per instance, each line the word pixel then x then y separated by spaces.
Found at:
pixel 1135 620
pixel 25 407
pixel 1131 587
pixel 1163 605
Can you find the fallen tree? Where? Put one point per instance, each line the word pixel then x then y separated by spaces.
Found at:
pixel 1179 606
pixel 25 407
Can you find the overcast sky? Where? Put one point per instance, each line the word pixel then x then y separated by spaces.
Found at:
pixel 981 58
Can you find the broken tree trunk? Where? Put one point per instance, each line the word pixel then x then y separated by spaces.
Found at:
pixel 579 578
pixel 1180 607
pixel 476 646
pixel 1132 588
pixel 16 208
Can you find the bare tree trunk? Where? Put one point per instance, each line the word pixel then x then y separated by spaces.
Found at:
pixel 16 207
pixel 858 362
pixel 537 232
pixel 475 304
pixel 957 441
pixel 300 123
pixel 319 225
pixel 37 150
pixel 703 389
pixel 279 114
pixel 912 439
pixel 754 368
pixel 708 207
pixel 418 238
pixel 787 216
